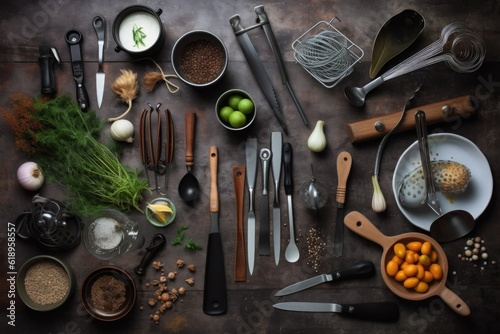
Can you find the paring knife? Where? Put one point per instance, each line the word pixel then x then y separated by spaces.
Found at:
pixel 251 168
pixel 384 311
pixel 214 292
pixel 100 28
pixel 264 247
pixel 344 163
pixel 359 270
pixel 276 151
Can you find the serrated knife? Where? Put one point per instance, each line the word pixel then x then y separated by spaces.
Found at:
pixel 359 270
pixel 99 25
pixel 251 168
pixel 276 151
pixel 383 311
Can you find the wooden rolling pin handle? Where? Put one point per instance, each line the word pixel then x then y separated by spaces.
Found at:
pixel 448 110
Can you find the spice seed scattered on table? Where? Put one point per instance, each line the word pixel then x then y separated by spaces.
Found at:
pixel 46 283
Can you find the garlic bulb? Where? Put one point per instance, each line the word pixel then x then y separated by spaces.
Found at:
pixel 122 130
pixel 30 176
pixel 378 200
pixel 317 140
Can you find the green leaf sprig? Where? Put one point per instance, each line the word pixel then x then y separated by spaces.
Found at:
pixel 179 238
pixel 138 36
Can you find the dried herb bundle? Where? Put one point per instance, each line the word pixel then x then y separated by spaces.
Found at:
pixel 151 78
pixel 65 143
pixel 126 87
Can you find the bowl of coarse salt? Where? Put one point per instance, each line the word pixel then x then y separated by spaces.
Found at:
pixel 109 234
pixel 199 58
pixel 44 283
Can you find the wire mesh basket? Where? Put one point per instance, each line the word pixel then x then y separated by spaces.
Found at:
pixel 326 53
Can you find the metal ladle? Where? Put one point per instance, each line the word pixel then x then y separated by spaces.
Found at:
pixel 453 224
pixel 189 188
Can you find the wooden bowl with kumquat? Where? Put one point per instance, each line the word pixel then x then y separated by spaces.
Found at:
pixel 361 225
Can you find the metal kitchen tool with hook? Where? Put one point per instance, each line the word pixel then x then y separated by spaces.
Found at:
pixel 258 68
pixel 74 38
pixel 151 142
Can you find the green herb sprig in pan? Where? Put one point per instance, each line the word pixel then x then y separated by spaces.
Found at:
pixel 65 143
pixel 138 36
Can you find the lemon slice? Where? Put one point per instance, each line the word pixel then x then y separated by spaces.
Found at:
pixel 160 211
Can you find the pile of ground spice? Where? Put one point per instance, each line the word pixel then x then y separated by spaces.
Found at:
pixel 202 61
pixel 46 282
pixel 108 293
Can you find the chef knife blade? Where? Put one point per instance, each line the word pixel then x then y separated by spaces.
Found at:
pixel 383 311
pixel 258 69
pixel 359 270
pixel 251 167
pixel 344 163
pixel 276 151
pixel 214 292
pixel 264 247
pixel 100 28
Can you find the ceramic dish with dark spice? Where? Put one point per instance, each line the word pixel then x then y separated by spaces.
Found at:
pixel 108 293
pixel 44 283
pixel 199 58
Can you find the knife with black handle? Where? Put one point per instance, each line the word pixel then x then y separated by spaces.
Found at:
pixel 363 269
pixel 383 311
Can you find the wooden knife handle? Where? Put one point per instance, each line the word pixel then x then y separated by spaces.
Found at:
pixel 190 125
pixel 240 271
pixel 214 194
pixel 444 111
pixel 344 163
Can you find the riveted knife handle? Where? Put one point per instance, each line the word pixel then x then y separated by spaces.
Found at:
pixel 384 311
pixel 240 271
pixel 288 160
pixel 363 269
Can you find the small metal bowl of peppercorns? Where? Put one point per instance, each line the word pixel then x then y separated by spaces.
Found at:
pixel 199 58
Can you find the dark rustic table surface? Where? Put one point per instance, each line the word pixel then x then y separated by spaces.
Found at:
pixel 28 24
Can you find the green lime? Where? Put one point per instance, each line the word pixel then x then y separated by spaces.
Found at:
pixel 225 112
pixel 237 119
pixel 245 106
pixel 233 101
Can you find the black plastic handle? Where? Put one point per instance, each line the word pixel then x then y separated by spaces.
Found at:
pixel 46 60
pixel 363 269
pixel 384 311
pixel 288 161
pixel 157 242
pixel 99 25
pixel 82 97
pixel 74 38
pixel 214 293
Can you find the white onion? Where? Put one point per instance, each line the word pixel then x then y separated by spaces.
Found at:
pixel 122 130
pixel 30 176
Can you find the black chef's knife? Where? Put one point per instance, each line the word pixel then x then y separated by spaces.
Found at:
pixel 383 311
pixel 359 270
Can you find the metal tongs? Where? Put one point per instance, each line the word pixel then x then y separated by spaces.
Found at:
pixel 152 141
pixel 258 68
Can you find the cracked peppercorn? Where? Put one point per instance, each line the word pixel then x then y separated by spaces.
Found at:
pixel 201 61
